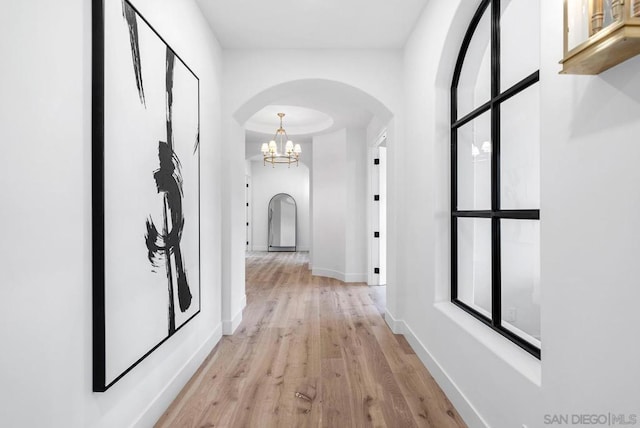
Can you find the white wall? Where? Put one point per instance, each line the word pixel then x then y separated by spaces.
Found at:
pixel 45 113
pixel 589 242
pixel 329 204
pixel 339 205
pixel 267 182
pixel 375 72
pixel 356 237
pixel 234 228
pixel 589 234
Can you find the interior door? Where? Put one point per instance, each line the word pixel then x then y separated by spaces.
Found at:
pixel 378 214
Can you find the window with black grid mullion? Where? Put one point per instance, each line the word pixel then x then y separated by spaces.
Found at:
pixel 495 172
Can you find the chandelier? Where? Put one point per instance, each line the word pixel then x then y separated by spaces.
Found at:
pixel 273 151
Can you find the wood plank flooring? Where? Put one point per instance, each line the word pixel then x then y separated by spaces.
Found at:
pixel 310 352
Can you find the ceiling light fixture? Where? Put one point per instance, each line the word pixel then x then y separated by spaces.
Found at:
pixel 273 154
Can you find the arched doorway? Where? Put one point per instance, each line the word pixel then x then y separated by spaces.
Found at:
pixel 338 154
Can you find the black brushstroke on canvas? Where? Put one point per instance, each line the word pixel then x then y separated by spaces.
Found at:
pixel 163 246
pixel 184 294
pixel 169 68
pixel 168 178
pixel 197 144
pixel 130 16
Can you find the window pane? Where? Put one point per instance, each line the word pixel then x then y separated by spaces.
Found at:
pixel 578 22
pixel 474 263
pixel 474 86
pixel 521 278
pixel 520 150
pixel 519 40
pixel 474 164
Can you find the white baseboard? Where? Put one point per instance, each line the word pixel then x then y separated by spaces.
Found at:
pixel 165 397
pixel 355 277
pixel 329 273
pixel 466 410
pixel 396 326
pixel 341 276
pixel 265 248
pixel 229 326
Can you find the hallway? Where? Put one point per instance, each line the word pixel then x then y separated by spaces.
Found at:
pixel 311 351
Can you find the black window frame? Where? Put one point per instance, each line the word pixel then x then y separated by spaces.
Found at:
pixel 495 214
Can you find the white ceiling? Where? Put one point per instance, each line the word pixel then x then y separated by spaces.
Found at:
pixel 311 109
pixel 297 120
pixel 311 23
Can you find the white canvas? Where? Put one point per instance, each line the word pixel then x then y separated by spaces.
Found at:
pixel 140 195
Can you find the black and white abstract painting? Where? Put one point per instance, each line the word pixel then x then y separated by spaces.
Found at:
pixel 146 191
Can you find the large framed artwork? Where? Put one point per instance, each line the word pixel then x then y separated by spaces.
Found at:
pixel 146 191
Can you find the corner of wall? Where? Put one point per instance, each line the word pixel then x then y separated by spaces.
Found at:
pixel 464 407
pixel 230 326
pixel 396 325
pixel 328 273
pixel 165 397
pixel 355 277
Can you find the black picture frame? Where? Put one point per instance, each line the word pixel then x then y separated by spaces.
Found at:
pixel 170 184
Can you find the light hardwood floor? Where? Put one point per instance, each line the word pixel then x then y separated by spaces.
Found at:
pixel 310 352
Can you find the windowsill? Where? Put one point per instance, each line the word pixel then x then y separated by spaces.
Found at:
pixel 520 360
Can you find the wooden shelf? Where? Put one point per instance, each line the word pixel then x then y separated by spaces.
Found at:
pixel 607 48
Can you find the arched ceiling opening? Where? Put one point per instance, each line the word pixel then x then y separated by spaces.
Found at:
pixel 298 120
pixel 346 104
pixel 312 107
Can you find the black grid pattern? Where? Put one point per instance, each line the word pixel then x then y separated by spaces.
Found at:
pixel 496 213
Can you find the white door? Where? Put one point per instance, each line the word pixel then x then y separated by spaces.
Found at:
pixel 382 216
pixel 378 214
pixel 247 215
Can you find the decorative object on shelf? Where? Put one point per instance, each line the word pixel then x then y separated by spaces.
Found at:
pixel 273 152
pixel 610 35
pixel 597 16
pixel 616 9
pixel 145 190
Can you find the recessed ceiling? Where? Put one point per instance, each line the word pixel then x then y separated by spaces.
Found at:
pixel 297 120
pixel 307 24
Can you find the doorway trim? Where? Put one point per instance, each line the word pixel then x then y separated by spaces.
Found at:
pixel 373 219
